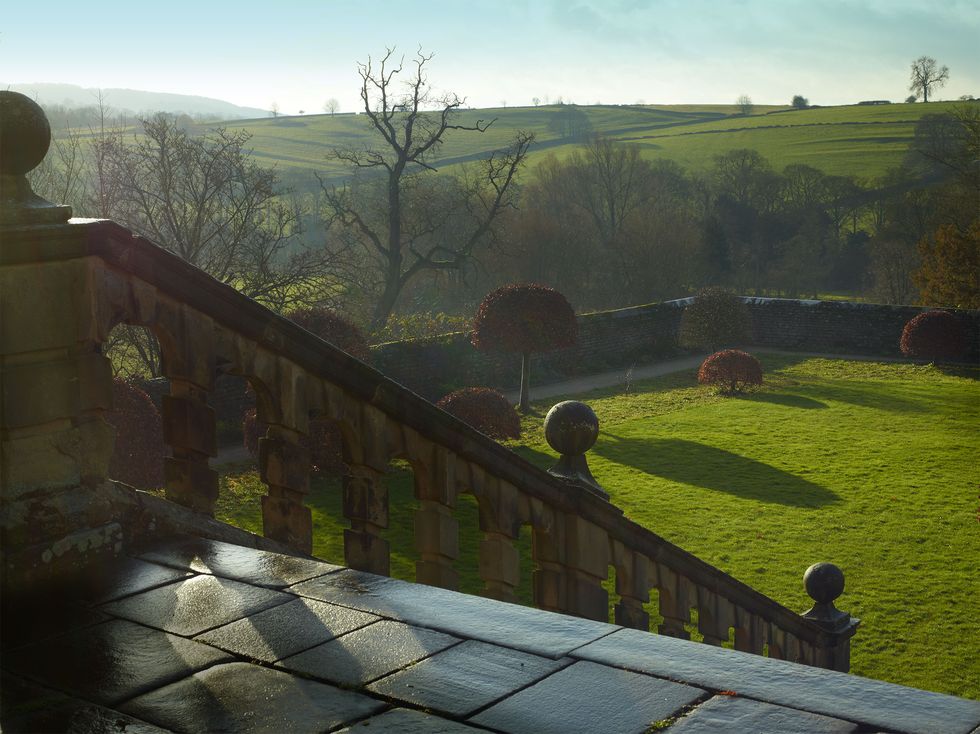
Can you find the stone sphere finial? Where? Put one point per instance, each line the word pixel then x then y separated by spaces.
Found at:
pixel 571 428
pixel 25 134
pixel 824 582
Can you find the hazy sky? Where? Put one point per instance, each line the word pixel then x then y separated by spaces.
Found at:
pixel 299 53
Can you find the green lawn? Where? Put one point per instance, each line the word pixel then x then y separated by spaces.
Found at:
pixel 871 466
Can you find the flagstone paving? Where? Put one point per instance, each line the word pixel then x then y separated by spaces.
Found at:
pixel 202 636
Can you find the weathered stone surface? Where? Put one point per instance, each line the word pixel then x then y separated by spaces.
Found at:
pixel 124 577
pixel 286 629
pixel 196 604
pixel 25 707
pixel 112 661
pixel 589 698
pixel 465 678
pixel 734 714
pixel 869 702
pixel 407 721
pixel 244 697
pixel 368 653
pixel 260 568
pixel 541 633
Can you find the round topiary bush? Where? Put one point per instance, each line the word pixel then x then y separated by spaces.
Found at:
pixel 137 458
pixel 714 318
pixel 934 335
pixel 334 328
pixel 487 410
pixel 732 370
pixel 324 442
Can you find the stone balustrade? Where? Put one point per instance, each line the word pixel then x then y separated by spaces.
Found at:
pixel 65 285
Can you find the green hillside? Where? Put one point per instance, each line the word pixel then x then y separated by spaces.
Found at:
pixel 857 140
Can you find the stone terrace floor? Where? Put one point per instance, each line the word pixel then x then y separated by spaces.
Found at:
pixel 201 636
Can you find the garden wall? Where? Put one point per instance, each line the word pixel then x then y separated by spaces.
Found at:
pixel 617 340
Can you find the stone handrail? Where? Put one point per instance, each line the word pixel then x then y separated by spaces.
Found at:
pixel 66 285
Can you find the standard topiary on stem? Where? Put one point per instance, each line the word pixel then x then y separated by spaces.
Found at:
pixel 525 319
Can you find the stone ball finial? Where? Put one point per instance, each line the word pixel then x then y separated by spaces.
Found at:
pixel 25 134
pixel 824 582
pixel 571 428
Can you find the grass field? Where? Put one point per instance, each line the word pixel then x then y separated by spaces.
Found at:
pixel 857 140
pixel 871 466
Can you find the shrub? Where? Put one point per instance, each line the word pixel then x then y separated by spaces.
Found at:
pixel 137 458
pixel 732 370
pixel 525 319
pixel 487 410
pixel 324 442
pixel 334 328
pixel 715 318
pixel 934 335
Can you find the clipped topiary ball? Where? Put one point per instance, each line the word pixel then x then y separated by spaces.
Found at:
pixel 487 410
pixel 137 458
pixel 732 370
pixel 934 335
pixel 334 328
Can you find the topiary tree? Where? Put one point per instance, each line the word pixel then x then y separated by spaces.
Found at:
pixel 525 319
pixel 732 370
pixel 137 458
pixel 487 410
pixel 715 318
pixel 334 328
pixel 323 442
pixel 934 335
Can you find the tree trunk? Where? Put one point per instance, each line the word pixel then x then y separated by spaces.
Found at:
pixel 525 402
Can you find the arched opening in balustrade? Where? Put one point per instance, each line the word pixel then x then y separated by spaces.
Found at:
pixel 139 449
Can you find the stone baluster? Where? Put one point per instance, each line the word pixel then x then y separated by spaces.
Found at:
pixel 750 632
pixel 715 616
pixel 500 521
pixel 436 528
pixel 675 606
pixel 284 465
pixel 366 507
pixel 824 583
pixel 632 586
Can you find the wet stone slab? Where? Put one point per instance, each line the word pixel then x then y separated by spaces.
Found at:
pixel 541 633
pixel 465 678
pixel 196 604
pixel 246 697
pixel 368 653
pixel 591 699
pixel 869 702
pixel 286 629
pixel 111 662
pixel 407 721
pixel 124 577
pixel 734 714
pixel 256 567
pixel 43 617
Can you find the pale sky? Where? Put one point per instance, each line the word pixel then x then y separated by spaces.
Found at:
pixel 299 53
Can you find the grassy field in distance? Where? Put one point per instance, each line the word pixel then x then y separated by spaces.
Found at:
pixel 871 466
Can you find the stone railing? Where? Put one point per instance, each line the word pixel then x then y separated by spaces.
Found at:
pixel 66 284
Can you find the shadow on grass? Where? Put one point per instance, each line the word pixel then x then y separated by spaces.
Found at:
pixel 712 468
pixel 790 401
pixel 969 371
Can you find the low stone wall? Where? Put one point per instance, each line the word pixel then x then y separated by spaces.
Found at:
pixel 628 336
pixel 617 339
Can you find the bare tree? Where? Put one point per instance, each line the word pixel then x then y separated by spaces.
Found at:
pixel 407 223
pixel 274 108
pixel 744 104
pixel 535 101
pixel 927 75
pixel 331 106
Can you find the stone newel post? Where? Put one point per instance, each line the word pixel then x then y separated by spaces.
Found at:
pixel 825 583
